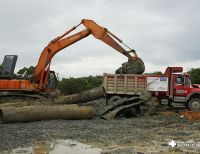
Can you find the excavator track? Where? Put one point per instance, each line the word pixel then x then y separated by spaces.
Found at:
pixel 11 97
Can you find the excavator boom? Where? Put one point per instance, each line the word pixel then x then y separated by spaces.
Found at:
pixel 103 34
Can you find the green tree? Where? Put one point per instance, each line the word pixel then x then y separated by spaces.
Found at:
pixel 26 72
pixel 195 75
pixel 72 85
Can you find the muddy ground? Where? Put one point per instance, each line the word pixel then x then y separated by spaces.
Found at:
pixel 144 134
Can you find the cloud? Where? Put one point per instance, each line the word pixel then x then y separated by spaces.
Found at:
pixel 164 33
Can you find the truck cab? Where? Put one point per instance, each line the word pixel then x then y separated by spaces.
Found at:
pixel 181 90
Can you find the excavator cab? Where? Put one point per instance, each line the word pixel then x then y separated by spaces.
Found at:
pixel 8 66
pixel 52 81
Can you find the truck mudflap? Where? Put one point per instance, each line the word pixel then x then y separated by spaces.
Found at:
pixel 126 107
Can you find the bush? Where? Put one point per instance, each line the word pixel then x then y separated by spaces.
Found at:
pixel 26 72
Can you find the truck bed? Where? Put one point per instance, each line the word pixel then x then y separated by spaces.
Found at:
pixel 131 84
pixel 128 84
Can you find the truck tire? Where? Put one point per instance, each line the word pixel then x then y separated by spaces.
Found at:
pixel 194 104
pixel 114 99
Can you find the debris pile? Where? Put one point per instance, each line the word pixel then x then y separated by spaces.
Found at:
pixel 132 67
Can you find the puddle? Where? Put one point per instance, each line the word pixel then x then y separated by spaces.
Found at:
pixel 57 147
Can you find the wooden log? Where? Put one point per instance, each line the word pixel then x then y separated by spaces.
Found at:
pixel 84 96
pixel 45 112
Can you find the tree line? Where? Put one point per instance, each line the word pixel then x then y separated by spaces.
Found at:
pixel 73 85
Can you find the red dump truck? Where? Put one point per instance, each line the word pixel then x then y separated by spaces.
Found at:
pixel 173 86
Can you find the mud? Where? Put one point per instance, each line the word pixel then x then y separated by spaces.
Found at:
pixel 57 147
pixel 144 134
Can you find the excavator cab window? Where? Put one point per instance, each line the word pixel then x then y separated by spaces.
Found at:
pixel 8 66
pixel 52 81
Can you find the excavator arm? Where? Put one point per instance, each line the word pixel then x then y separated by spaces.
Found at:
pixel 62 42
pixel 107 37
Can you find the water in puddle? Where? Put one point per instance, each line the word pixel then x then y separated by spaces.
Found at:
pixel 58 147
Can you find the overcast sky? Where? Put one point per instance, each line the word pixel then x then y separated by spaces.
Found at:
pixel 163 32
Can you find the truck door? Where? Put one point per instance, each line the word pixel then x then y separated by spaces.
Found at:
pixel 181 88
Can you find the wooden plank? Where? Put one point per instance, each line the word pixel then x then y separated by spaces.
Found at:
pixel 115 84
pixel 110 89
pixel 120 84
pixel 125 84
pixel 105 82
pixel 110 85
pixel 135 84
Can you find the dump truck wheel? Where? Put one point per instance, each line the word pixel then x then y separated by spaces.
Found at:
pixel 194 104
pixel 114 99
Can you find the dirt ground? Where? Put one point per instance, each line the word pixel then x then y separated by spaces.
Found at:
pixel 147 134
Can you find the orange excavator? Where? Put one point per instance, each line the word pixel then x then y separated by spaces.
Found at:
pixel 43 80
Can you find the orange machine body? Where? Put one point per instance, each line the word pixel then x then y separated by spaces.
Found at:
pixel 15 85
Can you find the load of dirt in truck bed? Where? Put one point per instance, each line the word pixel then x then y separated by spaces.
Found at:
pixel 131 67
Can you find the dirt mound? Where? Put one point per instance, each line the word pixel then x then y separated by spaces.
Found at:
pixel 191 115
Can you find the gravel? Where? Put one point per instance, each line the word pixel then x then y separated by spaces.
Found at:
pixel 100 132
pixel 150 133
